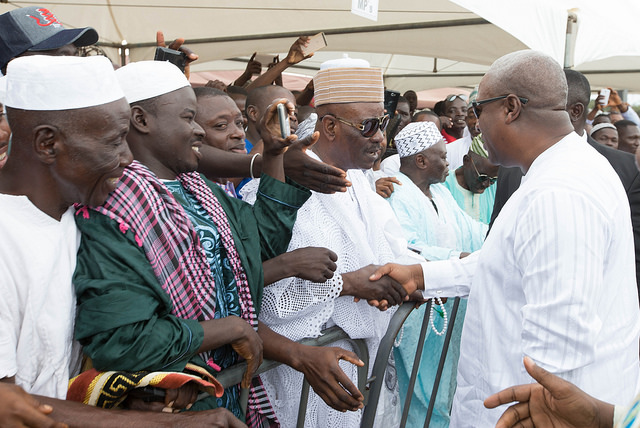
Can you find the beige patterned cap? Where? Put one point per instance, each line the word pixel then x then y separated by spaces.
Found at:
pixel 417 137
pixel 348 80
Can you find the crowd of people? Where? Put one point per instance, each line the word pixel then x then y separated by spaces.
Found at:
pixel 155 234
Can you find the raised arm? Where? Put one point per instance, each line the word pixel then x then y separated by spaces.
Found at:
pixel 298 166
pixel 294 56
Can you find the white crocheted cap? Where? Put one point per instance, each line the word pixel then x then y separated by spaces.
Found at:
pixel 417 137
pixel 347 80
pixel 307 126
pixel 49 83
pixel 149 79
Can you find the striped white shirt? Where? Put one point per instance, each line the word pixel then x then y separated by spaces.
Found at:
pixel 555 280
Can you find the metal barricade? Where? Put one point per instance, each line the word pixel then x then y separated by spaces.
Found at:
pixel 382 357
pixel 233 375
pixel 370 387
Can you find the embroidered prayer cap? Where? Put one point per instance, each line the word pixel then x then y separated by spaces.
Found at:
pixel 477 147
pixel 599 126
pixel 149 79
pixel 347 80
pixel 42 82
pixel 417 137
pixel 35 28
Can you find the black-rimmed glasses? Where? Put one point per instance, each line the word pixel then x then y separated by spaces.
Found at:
pixel 483 178
pixel 476 104
pixel 367 127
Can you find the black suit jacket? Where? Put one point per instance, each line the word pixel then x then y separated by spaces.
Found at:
pixel 624 165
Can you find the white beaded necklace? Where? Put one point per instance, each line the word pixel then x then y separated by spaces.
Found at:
pixel 398 340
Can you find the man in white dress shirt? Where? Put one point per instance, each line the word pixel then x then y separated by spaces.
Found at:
pixel 555 277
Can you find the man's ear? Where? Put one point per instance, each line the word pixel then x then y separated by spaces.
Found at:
pixel 466 159
pixel 514 107
pixel 328 127
pixel 576 111
pixel 252 113
pixel 139 119
pixel 47 141
pixel 421 161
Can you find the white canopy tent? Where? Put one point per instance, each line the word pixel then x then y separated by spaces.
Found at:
pixel 419 44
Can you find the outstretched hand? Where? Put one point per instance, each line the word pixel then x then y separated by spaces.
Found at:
pixel 311 173
pixel 321 369
pixel 409 276
pixel 295 54
pixel 19 409
pixel 382 289
pixel 177 46
pixel 384 186
pixel 552 402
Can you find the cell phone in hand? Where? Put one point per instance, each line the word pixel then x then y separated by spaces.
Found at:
pixel 606 92
pixel 316 43
pixel 391 102
pixel 265 59
pixel 283 119
pixel 177 58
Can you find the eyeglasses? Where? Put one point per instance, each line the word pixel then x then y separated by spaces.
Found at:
pixel 483 178
pixel 476 104
pixel 368 127
pixel 463 97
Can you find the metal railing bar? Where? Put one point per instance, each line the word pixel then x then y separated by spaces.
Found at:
pixel 233 375
pixel 380 364
pixel 443 357
pixel 304 398
pixel 416 364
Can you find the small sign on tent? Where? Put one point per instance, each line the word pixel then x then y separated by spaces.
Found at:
pixel 365 8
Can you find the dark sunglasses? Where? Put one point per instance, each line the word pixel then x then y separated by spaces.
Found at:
pixel 368 127
pixel 476 104
pixel 483 177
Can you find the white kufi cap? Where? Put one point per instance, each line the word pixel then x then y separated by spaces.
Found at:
pixel 149 79
pixel 417 137
pixel 50 83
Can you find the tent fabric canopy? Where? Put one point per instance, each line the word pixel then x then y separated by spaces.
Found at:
pixel 418 44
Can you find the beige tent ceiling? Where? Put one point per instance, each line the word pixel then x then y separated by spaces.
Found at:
pixel 404 42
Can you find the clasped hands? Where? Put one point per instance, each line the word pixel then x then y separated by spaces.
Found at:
pixel 383 286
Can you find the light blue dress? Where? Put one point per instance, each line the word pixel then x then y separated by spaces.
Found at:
pixel 439 235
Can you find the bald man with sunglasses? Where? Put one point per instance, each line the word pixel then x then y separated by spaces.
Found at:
pixel 555 278
pixel 359 226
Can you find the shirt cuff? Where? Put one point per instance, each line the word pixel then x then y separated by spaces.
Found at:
pixel 438 277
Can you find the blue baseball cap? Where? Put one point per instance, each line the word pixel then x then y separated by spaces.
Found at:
pixel 36 28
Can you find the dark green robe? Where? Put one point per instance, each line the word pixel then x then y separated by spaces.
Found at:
pixel 124 318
